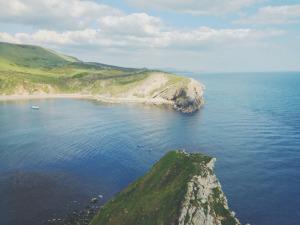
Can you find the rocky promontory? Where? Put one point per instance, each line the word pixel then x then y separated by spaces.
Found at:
pixel 160 88
pixel 180 189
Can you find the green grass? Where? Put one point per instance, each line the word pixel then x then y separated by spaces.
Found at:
pixel 31 69
pixel 156 197
pixel 32 56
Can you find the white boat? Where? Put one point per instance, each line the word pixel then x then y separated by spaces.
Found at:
pixel 35 107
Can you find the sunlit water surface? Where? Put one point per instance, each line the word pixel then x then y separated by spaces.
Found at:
pixel 55 159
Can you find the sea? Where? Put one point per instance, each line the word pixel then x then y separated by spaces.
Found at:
pixel 55 159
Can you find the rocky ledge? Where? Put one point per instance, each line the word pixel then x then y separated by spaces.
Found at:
pixel 188 98
pixel 159 88
pixel 180 189
pixel 205 202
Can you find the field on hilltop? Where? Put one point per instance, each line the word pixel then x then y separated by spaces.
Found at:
pixel 27 70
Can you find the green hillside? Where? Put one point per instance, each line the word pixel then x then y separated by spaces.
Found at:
pixel 32 56
pixel 32 69
pixel 159 196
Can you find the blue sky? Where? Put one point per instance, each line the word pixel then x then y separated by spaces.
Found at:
pixel 193 35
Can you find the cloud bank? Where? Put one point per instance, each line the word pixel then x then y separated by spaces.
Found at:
pixel 195 7
pixel 81 23
pixel 276 15
pixel 218 32
pixel 54 14
pixel 145 37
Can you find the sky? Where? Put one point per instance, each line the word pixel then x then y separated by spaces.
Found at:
pixel 184 35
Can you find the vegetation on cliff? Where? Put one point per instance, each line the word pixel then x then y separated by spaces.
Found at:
pixel 180 188
pixel 30 69
pixel 33 70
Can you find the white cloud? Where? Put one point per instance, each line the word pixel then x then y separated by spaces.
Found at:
pixel 205 37
pixel 90 23
pixel 201 7
pixel 6 37
pixel 285 14
pixel 54 14
pixel 144 36
pixel 136 24
pixel 101 33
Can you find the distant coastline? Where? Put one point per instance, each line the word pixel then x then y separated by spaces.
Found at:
pixel 43 96
pixel 33 72
pixel 113 100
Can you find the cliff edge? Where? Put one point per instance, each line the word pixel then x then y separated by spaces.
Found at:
pixel 28 71
pixel 180 189
pixel 160 88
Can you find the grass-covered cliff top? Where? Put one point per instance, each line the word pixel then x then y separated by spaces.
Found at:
pixel 156 197
pixel 27 69
pixel 180 189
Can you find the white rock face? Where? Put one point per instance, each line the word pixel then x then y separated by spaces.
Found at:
pixel 190 98
pixel 154 82
pixel 205 203
pixel 185 96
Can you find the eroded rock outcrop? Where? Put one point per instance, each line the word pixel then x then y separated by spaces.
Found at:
pixel 184 94
pixel 205 202
pixel 190 98
pixel 180 189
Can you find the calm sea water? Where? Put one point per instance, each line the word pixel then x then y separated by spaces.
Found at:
pixel 55 159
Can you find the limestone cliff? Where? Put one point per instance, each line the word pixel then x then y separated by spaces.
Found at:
pixel 183 94
pixel 204 202
pixel 180 189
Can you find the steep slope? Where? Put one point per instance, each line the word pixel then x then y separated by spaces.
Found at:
pixel 27 70
pixel 180 189
pixel 32 56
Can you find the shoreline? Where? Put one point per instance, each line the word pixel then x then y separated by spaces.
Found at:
pixel 43 96
pixel 113 100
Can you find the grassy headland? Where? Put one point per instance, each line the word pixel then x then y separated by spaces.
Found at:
pixel 180 188
pixel 33 70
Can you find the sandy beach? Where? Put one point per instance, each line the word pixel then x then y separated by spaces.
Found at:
pixel 44 96
pixel 153 101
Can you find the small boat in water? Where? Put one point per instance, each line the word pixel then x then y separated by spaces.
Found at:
pixel 35 107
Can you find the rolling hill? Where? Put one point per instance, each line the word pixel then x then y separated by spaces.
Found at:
pixel 27 70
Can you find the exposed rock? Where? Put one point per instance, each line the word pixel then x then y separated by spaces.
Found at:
pixel 185 96
pixel 190 98
pixel 205 203
pixel 100 196
pixel 94 200
pixel 81 216
pixel 180 189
